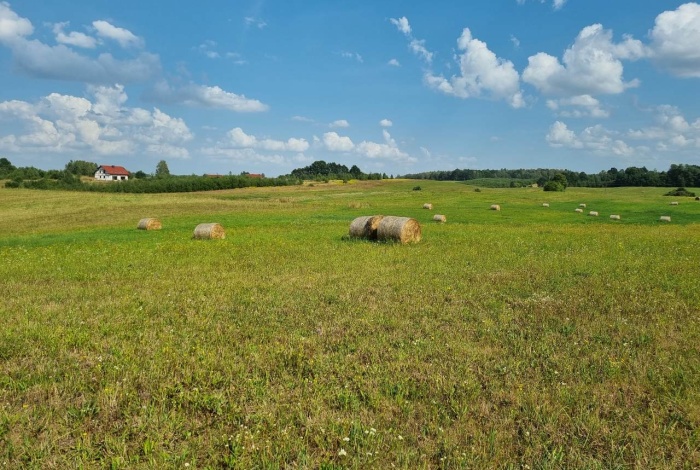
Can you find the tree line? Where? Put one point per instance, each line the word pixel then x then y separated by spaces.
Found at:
pixel 677 175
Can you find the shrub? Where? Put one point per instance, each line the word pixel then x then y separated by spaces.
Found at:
pixel 680 192
pixel 552 185
pixel 416 188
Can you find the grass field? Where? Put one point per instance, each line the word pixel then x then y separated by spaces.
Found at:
pixel 527 338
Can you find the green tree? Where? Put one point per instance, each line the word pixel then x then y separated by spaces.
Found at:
pixel 552 185
pixel 5 166
pixel 162 170
pixel 81 168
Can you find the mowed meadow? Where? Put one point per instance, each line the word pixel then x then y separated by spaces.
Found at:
pixel 530 337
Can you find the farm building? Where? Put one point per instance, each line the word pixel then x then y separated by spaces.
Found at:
pixel 111 173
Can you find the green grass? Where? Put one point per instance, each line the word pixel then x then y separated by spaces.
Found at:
pixel 530 337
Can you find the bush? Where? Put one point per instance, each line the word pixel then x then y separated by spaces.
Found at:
pixel 680 192
pixel 552 185
pixel 416 188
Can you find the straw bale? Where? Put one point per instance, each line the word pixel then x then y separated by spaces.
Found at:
pixel 365 226
pixel 495 207
pixel 439 218
pixel 582 205
pixel 149 224
pixel 212 231
pixel 593 214
pixel 545 204
pixel 428 206
pixel 665 218
pixel 615 217
pixel 674 203
pixel 402 229
pixel 578 209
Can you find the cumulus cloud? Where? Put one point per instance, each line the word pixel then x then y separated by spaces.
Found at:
pixel 205 97
pixel 386 123
pixel 671 132
pixel 394 63
pixel 336 143
pixel 12 26
pixel 237 138
pixel 596 139
pixel 556 4
pixel 592 65
pixel 60 62
pixel 675 38
pixel 402 25
pixel 123 37
pixel 73 38
pixel 578 106
pixel 481 73
pixel 65 124
pixel 339 123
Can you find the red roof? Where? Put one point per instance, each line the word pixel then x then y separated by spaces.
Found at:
pixel 115 170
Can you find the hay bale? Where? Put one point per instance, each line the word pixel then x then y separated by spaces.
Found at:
pixel 209 232
pixel 149 224
pixel 665 218
pixel 495 207
pixel 428 206
pixel 582 205
pixel 402 229
pixel 578 210
pixel 674 203
pixel 545 204
pixel 593 214
pixel 615 217
pixel 365 227
pixel 439 218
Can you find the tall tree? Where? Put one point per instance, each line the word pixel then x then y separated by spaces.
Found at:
pixel 162 170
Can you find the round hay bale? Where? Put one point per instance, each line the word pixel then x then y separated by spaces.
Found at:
pixel 209 232
pixel 593 214
pixel 365 227
pixel 579 210
pixel 545 204
pixel 149 224
pixel 495 207
pixel 582 205
pixel 439 218
pixel 665 218
pixel 615 217
pixel 402 229
pixel 428 206
pixel 674 203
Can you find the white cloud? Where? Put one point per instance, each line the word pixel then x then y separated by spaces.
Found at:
pixel 352 55
pixel 206 97
pixel 339 123
pixel 671 132
pixel 12 26
pixel 73 38
pixel 481 72
pixel 402 25
pixel 302 119
pixel 386 123
pixel 124 37
pixel 394 63
pixel 418 48
pixel 556 4
pixel 66 124
pixel 388 150
pixel 597 139
pixel 245 155
pixel 675 39
pixel 592 65
pixel 237 138
pixel 578 106
pixel 257 22
pixel 60 62
pixel 515 41
pixel 336 143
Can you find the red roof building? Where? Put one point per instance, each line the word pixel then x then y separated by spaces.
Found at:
pixel 111 173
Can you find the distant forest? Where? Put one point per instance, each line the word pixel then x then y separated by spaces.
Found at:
pixel 162 181
pixel 676 176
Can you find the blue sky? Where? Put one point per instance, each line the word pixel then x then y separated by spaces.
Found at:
pixel 391 86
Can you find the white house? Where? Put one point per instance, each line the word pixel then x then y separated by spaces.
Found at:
pixel 111 173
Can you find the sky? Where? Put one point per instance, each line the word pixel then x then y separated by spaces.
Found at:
pixel 267 86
